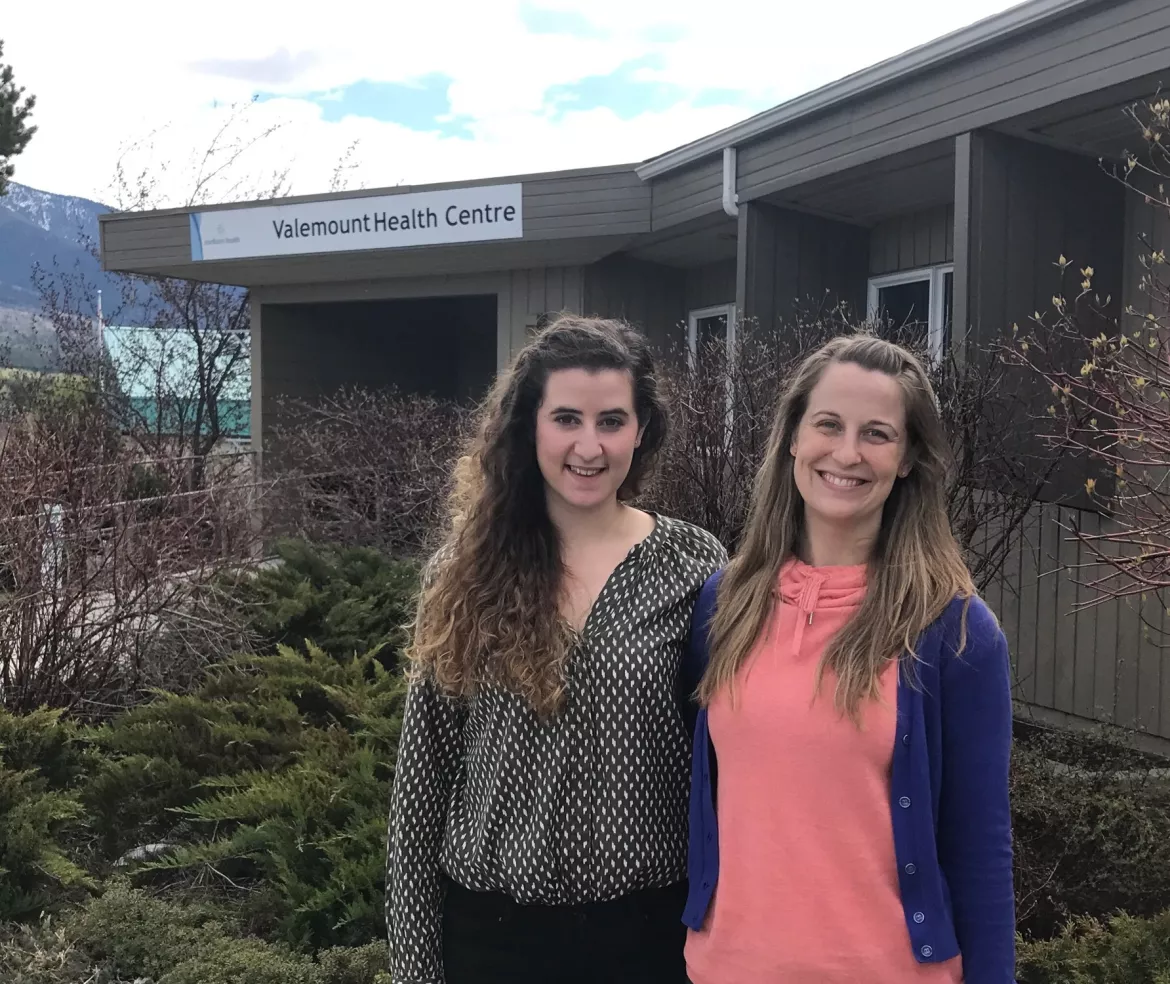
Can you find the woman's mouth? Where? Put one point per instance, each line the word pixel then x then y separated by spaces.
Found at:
pixel 841 481
pixel 584 472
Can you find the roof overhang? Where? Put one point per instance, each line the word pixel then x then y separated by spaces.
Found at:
pixel 567 217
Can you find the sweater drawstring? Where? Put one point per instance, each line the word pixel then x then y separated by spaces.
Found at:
pixel 806 604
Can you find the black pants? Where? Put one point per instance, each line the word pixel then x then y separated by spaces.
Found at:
pixel 637 939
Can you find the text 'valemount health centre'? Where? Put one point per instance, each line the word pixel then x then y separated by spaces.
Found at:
pixel 456 215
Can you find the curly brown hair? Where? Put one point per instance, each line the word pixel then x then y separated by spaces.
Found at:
pixel 489 612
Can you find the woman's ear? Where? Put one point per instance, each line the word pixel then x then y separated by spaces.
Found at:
pixel 638 439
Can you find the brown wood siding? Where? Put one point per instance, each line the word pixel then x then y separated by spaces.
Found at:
pixel 687 194
pixel 1114 43
pixel 710 285
pixel 907 242
pixel 791 263
pixel 1096 664
pixel 650 296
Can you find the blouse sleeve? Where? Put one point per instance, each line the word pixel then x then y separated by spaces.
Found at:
pixel 974 836
pixel 429 762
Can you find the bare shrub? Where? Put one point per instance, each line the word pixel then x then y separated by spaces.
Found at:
pixel 364 467
pixel 723 402
pixel 1108 397
pixel 103 552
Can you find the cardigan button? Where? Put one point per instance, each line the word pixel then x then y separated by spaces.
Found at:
pixel 927 951
pixel 905 739
pixel 904 802
pixel 919 917
pixel 911 868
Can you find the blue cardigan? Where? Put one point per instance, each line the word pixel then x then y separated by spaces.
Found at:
pixel 948 794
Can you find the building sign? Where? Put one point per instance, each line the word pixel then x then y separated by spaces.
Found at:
pixel 422 218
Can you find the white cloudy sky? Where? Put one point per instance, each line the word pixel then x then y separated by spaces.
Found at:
pixel 430 90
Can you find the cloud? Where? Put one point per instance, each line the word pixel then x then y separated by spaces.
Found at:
pixel 663 33
pixel 434 91
pixel 626 91
pixel 542 20
pixel 422 104
pixel 276 69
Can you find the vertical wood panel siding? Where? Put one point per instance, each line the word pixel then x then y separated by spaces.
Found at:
pixel 710 285
pixel 1096 664
pixel 1028 205
pixel 1147 227
pixel 296 361
pixel 525 295
pixel 790 262
pixel 1022 206
pixel 925 238
pixel 650 296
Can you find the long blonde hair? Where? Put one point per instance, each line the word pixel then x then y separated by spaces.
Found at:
pixel 916 568
pixel 489 611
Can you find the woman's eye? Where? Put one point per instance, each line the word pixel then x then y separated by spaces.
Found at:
pixel 565 420
pixel 612 423
pixel 879 435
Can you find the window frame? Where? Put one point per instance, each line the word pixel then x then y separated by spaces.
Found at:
pixel 713 311
pixel 935 276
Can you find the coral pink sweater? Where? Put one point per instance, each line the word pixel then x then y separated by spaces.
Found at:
pixel 808 883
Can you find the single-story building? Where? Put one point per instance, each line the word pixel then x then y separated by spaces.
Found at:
pixel 940 184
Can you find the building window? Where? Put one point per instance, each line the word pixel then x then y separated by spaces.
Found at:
pixel 711 324
pixel 915 306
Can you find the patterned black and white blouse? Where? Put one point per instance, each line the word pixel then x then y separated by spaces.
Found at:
pixel 586 806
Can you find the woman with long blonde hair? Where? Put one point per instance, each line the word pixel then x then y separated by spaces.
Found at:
pixel 849 805
pixel 539 818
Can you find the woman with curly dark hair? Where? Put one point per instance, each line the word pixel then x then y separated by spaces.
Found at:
pixel 539 817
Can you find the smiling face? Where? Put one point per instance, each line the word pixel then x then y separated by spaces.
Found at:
pixel 849 448
pixel 586 433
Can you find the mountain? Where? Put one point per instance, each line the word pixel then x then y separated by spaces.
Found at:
pixel 37 227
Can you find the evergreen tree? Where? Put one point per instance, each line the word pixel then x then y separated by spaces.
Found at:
pixel 15 133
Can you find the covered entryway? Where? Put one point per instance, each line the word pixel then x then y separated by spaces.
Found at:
pixel 444 347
